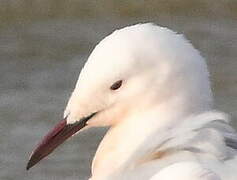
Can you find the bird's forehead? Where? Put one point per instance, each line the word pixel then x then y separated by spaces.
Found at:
pixel 109 63
pixel 116 57
pixel 126 52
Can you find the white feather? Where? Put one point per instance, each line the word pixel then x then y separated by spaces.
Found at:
pixel 193 171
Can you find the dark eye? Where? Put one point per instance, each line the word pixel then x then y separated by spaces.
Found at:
pixel 116 85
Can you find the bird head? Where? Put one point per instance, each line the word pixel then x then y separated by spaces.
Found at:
pixel 129 71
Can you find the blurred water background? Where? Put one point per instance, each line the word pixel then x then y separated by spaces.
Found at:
pixel 43 45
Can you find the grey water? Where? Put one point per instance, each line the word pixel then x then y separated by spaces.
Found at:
pixel 40 61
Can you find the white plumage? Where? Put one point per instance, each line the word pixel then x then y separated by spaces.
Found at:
pixel 185 171
pixel 162 122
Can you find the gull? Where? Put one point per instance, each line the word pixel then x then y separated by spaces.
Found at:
pixel 151 87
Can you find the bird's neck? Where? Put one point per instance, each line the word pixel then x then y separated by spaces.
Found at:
pixel 126 143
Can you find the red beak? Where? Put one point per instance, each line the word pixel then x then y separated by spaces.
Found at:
pixel 61 132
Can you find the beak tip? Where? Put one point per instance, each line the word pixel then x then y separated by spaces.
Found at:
pixel 28 166
pixel 32 161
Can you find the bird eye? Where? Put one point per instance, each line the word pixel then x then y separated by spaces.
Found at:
pixel 116 85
